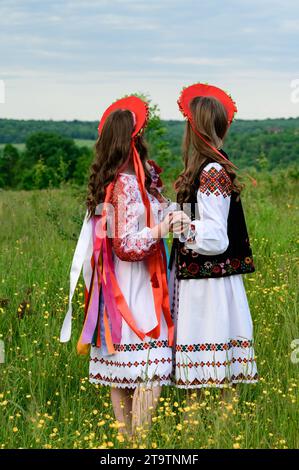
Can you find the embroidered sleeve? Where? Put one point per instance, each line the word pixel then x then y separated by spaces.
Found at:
pixel 157 188
pixel 131 241
pixel 155 172
pixel 215 181
pixel 208 234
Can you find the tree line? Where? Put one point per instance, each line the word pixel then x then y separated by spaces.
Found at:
pixel 51 156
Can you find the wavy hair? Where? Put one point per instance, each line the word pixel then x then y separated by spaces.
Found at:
pixel 112 150
pixel 210 119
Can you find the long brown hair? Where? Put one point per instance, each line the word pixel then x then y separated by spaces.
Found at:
pixel 112 150
pixel 210 119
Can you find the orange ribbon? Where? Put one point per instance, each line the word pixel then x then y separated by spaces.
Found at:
pixel 156 264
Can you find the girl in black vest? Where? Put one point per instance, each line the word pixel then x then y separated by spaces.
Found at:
pixel 214 345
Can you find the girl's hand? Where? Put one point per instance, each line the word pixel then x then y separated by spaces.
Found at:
pixel 177 222
pixel 162 229
pixel 180 222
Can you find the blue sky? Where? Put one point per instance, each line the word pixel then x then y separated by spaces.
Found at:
pixel 70 59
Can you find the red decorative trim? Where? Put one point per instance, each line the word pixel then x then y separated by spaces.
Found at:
pixel 127 245
pixel 214 268
pixel 191 364
pixel 227 380
pixel 129 364
pixel 234 343
pixel 141 346
pixel 155 172
pixel 125 381
pixel 214 181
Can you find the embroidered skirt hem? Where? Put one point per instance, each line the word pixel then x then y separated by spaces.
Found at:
pixel 133 364
pixel 214 385
pixel 114 382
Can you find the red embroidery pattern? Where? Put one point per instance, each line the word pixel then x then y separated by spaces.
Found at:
pixel 155 172
pixel 227 380
pixel 190 365
pixel 141 346
pixel 234 343
pixel 130 243
pixel 214 181
pixel 148 362
pixel 125 381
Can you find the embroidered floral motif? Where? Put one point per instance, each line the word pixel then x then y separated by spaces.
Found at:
pixel 193 268
pixel 130 243
pixel 214 268
pixel 214 181
pixel 155 172
pixel 234 343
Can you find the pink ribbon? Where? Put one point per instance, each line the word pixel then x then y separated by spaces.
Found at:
pixel 101 243
pixel 94 293
pixel 113 313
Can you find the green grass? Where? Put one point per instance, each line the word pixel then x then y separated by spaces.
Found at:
pixel 45 397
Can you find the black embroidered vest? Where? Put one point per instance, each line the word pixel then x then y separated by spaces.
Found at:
pixel 237 259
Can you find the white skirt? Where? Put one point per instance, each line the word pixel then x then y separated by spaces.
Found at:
pixel 136 362
pixel 147 362
pixel 214 341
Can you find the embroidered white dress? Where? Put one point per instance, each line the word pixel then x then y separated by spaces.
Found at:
pixel 135 361
pixel 214 342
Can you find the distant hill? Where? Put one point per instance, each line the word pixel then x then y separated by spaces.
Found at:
pixel 276 141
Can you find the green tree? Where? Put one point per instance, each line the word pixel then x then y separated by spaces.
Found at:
pixel 156 135
pixel 262 161
pixel 83 164
pixel 9 158
pixel 52 149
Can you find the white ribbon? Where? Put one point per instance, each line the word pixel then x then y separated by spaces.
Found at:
pixel 82 256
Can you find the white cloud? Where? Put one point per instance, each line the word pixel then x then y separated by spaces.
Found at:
pixel 98 50
pixel 248 30
pixel 290 26
pixel 2 91
pixel 214 62
pixel 124 22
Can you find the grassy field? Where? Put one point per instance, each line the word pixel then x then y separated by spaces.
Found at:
pixel 45 398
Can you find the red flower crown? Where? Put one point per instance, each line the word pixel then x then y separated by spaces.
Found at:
pixel 202 89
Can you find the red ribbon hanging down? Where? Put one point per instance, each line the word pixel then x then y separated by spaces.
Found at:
pixel 253 180
pixel 101 274
pixel 156 262
pixel 211 146
pixel 105 277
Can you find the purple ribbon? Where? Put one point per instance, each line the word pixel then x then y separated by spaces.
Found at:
pixel 109 300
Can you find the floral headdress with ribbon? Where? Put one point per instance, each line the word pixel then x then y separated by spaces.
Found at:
pixel 202 89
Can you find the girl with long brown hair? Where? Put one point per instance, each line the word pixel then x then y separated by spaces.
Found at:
pixel 127 326
pixel 214 339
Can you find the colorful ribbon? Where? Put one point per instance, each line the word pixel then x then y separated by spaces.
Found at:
pixel 104 282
